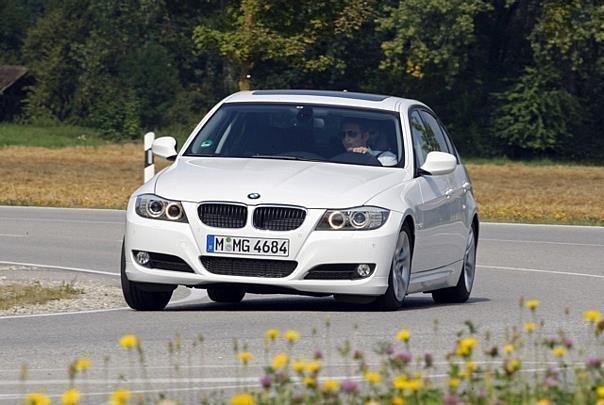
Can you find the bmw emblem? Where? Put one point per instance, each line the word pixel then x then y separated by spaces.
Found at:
pixel 253 196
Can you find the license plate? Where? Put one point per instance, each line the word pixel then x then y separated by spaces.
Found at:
pixel 247 246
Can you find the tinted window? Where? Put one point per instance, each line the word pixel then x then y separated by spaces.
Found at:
pixel 423 140
pixel 435 131
pixel 304 132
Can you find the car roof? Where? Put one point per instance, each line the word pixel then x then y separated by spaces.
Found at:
pixel 325 97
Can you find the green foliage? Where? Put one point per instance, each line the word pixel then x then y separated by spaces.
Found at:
pixel 49 136
pixel 535 114
pixel 430 36
pixel 507 77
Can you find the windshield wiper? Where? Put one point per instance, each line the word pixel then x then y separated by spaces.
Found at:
pixel 288 157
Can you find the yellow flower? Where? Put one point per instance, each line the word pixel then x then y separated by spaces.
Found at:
pixel 331 385
pixel 373 377
pixel 400 382
pixel 37 398
pixel 559 351
pixel 128 341
pixel 71 397
pixel 532 304
pixel 280 360
pixel 465 346
pixel 272 334
pixel 403 335
pixel 313 366
pixel 543 402
pixel 119 397
pixel 470 366
pixel 508 349
pixel 465 374
pixel 592 316
pixel 529 326
pixel 512 365
pixel 404 384
pixel 309 381
pixel 245 357
pixel 243 399
pixel 454 382
pixel 82 364
pixel 299 366
pixel 291 335
pixel 600 391
pixel 398 401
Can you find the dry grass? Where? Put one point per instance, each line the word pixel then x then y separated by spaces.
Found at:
pixel 20 294
pixel 70 177
pixel 105 177
pixel 527 193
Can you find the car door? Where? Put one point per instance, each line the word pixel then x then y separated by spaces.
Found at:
pixel 435 237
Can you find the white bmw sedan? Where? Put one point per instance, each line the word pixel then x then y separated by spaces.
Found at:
pixel 319 193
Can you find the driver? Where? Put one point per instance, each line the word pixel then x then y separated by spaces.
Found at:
pixel 354 136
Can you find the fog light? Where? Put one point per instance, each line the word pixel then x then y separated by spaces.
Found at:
pixel 363 270
pixel 142 258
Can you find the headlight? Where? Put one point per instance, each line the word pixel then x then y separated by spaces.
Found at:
pixel 353 219
pixel 152 206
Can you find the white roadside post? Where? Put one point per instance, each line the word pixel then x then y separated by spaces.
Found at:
pixel 149 170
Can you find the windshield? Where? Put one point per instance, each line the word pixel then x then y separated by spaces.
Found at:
pixel 301 132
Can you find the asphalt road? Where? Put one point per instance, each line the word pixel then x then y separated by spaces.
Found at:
pixel 562 266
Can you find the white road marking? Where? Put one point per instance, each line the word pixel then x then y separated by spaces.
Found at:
pixel 254 366
pixel 48 266
pixel 564 273
pixel 595 227
pixel 239 383
pixel 83 221
pixel 12 235
pixel 35 207
pixel 91 311
pixel 541 241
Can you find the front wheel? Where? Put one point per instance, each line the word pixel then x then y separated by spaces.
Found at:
pixel 400 273
pixel 461 292
pixel 231 295
pixel 139 299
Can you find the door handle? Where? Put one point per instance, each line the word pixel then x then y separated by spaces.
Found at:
pixel 466 187
pixel 449 193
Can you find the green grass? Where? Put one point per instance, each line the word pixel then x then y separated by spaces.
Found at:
pixel 17 294
pixel 503 160
pixel 49 137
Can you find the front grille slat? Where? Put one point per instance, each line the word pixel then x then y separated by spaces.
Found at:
pixel 223 215
pixel 229 266
pixel 278 218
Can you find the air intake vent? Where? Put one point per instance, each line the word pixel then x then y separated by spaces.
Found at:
pixel 278 218
pixel 223 215
pixel 248 267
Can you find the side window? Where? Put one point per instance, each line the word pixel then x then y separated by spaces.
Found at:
pixel 434 129
pixel 452 147
pixel 423 140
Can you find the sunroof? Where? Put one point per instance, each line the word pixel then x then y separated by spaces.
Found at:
pixel 321 93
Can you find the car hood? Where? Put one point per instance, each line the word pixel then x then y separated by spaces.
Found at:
pixel 303 183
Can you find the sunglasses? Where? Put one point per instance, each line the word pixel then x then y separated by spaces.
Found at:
pixel 349 134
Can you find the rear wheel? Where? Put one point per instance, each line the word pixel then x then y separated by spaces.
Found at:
pixel 226 294
pixel 139 298
pixel 400 273
pixel 461 292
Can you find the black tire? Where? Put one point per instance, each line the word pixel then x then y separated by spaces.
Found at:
pixel 230 295
pixel 138 298
pixel 461 292
pixel 393 300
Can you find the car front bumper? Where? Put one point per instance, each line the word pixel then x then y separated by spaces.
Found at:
pixel 309 248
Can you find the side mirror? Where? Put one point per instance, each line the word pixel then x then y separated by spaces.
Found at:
pixel 165 147
pixel 438 163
